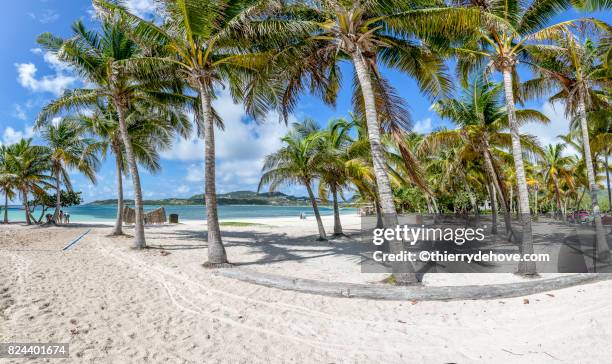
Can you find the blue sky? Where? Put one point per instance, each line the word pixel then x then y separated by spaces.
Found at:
pixel 31 77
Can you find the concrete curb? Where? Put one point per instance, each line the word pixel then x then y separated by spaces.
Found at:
pixel 419 293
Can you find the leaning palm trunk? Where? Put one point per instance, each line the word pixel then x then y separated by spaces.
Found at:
pixel 6 208
pixel 26 206
pixel 535 204
pixel 216 251
pixel 607 166
pixel 526 247
pixel 382 179
pixel 603 251
pixel 337 222
pixel 558 199
pixel 497 191
pixel 493 208
pixel 58 196
pixel 473 202
pixel 315 208
pixel 118 229
pixel 139 236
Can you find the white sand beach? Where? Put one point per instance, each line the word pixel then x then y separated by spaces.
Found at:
pixel 115 304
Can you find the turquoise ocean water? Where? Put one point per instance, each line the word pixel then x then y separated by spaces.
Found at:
pixel 190 212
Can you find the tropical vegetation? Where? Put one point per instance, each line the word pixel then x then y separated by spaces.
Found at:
pixel 146 78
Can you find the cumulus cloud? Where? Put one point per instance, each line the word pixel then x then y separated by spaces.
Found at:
pixel 11 136
pixel 45 16
pixel 240 148
pixel 56 84
pixel 19 112
pixel 547 133
pixel 182 189
pixel 423 126
pixel 195 172
pixel 142 8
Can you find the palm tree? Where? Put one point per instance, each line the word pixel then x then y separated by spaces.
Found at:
pixel 575 72
pixel 600 125
pixel 368 33
pixel 7 179
pixel 483 122
pixel 333 151
pixel 69 148
pixel 556 167
pixel 519 27
pixel 150 131
pixel 296 163
pixel 28 166
pixel 109 60
pixel 211 44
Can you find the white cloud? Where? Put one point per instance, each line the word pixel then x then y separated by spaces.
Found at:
pixel 45 16
pixel 20 112
pixel 422 126
pixel 11 136
pixel 547 133
pixel 182 189
pixel 195 173
pixel 240 148
pixel 142 8
pixel 56 84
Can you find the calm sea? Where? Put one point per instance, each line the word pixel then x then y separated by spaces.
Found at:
pixel 190 212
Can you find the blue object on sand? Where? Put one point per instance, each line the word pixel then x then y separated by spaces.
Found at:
pixel 75 240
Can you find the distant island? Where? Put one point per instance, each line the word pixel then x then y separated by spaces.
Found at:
pixel 230 198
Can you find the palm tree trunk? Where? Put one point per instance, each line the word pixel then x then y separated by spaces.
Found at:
pixel 603 251
pixel 26 206
pixel 118 229
pixel 58 196
pixel 139 235
pixel 528 268
pixel 493 208
pixel 382 179
pixel 315 208
pixel 337 222
pixel 558 197
pixel 6 208
pixel 607 166
pixel 535 204
pixel 379 221
pixel 499 193
pixel 473 201
pixel 217 257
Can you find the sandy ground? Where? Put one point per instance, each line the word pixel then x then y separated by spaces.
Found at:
pixel 115 305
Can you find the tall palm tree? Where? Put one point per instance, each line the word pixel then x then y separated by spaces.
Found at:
pixel 297 163
pixel 150 131
pixel 520 26
pixel 483 124
pixel 575 72
pixel 211 44
pixel 367 34
pixel 28 166
pixel 69 148
pixel 112 63
pixel 7 179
